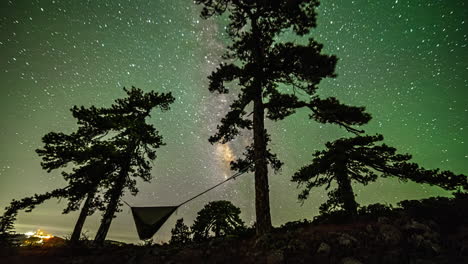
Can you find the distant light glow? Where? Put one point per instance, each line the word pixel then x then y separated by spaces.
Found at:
pixel 36 238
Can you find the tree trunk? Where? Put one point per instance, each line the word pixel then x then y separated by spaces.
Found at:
pixel 346 192
pixel 75 237
pixel 106 221
pixel 262 196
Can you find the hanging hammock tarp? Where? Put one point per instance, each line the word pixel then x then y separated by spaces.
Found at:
pixel 148 220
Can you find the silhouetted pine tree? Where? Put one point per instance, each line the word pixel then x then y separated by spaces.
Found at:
pixel 61 150
pixel 28 204
pixel 219 217
pixel 260 62
pixel 92 200
pixel 90 158
pixel 135 142
pixel 180 234
pixel 361 159
pixel 111 146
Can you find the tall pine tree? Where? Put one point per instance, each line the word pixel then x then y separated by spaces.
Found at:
pixel 270 74
pixel 111 146
pixel 88 155
pixel 124 126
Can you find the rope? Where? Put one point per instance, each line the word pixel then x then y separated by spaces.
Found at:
pixel 209 189
pixel 235 175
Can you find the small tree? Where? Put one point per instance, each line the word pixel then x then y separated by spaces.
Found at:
pixel 361 159
pixel 180 233
pixel 220 218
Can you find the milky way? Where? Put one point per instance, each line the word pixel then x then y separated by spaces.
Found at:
pixel 406 61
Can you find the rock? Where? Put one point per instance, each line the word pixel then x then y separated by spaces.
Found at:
pixel 392 257
pixel 346 240
pixel 155 251
pixel 464 250
pixel 350 260
pixel 416 240
pixel 432 224
pixel 422 261
pixel 436 248
pixel 76 261
pixel 390 234
pixel 431 247
pixel 324 249
pixel 131 259
pixel 300 230
pixel 275 257
pixel 383 220
pixel 296 245
pixel 263 241
pixel 212 243
pixel 416 226
pixel 431 235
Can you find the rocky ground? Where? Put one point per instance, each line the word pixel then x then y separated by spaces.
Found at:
pixel 434 233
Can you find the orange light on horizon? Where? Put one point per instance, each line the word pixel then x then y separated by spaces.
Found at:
pixel 39 234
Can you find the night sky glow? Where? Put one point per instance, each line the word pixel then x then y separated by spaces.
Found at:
pixel 405 60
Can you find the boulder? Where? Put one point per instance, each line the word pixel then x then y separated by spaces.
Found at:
pixel 431 235
pixel 420 242
pixel 296 245
pixel 416 240
pixel 346 240
pixel 383 220
pixel 155 251
pixel 324 249
pixel 392 257
pixel 414 226
pixel 275 257
pixel 349 260
pixel 464 249
pixel 389 234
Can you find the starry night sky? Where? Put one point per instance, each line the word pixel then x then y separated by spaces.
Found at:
pixel 405 60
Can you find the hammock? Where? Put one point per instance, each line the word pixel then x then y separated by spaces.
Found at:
pixel 148 220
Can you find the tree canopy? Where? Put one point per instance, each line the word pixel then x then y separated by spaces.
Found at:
pixel 125 128
pixel 219 217
pixel 271 75
pixel 180 234
pixel 362 159
pixel 109 150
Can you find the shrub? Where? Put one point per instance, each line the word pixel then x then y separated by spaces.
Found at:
pixel 220 218
pixel 180 233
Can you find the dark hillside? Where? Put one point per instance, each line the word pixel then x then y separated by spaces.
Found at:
pixel 433 230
